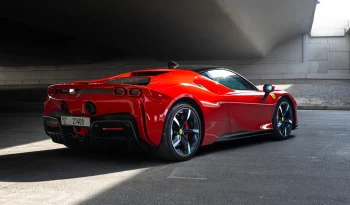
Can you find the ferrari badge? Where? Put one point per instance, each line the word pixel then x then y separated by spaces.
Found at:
pixel 273 96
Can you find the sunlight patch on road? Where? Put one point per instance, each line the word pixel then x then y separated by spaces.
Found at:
pixel 61 192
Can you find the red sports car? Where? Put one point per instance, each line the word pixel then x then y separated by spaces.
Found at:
pixel 169 111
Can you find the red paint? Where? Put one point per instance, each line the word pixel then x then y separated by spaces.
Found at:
pixel 224 110
pixel 112 128
pixel 51 124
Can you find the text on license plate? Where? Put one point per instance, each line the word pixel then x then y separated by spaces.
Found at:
pixel 75 121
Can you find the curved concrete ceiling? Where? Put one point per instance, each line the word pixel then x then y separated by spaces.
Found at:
pixel 168 29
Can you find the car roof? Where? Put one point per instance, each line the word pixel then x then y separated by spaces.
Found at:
pixel 195 68
pixel 200 68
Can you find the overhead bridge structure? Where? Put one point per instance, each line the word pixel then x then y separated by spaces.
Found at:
pixel 171 29
pixel 268 41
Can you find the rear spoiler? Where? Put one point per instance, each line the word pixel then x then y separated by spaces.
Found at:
pixel 81 86
pixel 78 82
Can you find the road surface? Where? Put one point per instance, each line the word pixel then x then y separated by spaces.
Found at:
pixel 312 167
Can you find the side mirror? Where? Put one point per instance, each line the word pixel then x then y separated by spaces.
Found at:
pixel 268 89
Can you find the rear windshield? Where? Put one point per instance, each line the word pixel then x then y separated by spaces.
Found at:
pixel 131 81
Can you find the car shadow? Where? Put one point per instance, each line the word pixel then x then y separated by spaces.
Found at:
pixel 65 163
pixel 180 190
pixel 236 144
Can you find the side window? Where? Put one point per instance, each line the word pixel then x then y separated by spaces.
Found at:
pixel 206 74
pixel 228 79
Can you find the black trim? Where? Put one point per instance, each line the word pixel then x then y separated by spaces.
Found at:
pixel 144 122
pixel 265 96
pixel 133 80
pixel 199 69
pixel 93 91
pixel 239 135
pixel 60 133
pixel 128 132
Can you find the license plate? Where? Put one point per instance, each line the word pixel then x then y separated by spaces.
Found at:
pixel 75 121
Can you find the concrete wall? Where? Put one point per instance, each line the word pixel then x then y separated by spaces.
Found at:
pixel 299 59
pixel 303 58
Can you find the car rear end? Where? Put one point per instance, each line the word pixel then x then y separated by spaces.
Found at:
pixel 100 112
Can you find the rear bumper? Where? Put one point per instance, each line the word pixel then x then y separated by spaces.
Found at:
pixel 115 127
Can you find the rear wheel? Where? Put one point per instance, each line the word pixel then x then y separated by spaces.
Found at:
pixel 182 133
pixel 282 120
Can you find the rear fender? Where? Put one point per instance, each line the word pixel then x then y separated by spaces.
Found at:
pixel 155 112
pixel 214 112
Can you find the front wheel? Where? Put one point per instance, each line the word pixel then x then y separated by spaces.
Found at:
pixel 182 133
pixel 282 120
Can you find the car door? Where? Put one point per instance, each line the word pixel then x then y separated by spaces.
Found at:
pixel 247 111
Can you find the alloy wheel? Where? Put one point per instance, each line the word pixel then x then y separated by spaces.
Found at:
pixel 284 119
pixel 185 131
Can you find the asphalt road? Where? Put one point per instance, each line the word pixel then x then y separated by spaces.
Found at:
pixel 310 168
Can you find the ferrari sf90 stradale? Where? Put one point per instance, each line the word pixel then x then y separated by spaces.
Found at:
pixel 170 111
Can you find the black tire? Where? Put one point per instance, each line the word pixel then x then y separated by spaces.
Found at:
pixel 166 149
pixel 282 125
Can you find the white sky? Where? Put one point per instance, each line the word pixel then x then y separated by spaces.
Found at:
pixel 332 14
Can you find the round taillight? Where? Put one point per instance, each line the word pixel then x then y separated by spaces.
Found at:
pixel 134 92
pixel 119 91
pixel 51 91
pixel 90 108
pixel 64 107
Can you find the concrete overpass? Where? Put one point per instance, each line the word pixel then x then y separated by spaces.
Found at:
pixel 267 41
pixel 164 29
